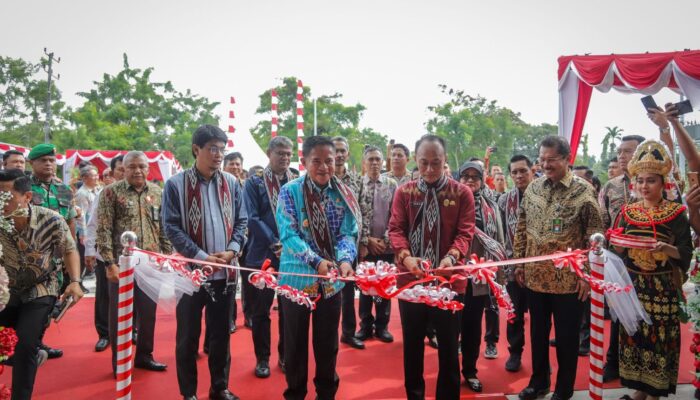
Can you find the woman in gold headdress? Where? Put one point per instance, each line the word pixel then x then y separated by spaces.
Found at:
pixel 649 359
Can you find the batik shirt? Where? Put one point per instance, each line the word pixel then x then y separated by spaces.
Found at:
pixel 399 181
pixel 352 181
pixel 121 208
pixel 376 196
pixel 300 253
pixel 27 255
pixel 614 194
pixel 555 217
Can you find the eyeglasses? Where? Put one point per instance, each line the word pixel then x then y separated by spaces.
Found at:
pixel 467 177
pixel 213 150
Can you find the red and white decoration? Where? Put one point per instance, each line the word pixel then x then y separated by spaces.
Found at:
pixel 300 121
pixel 162 164
pixel 60 158
pixel 274 123
pixel 231 128
pixel 629 73
pixel 125 319
pixel 595 385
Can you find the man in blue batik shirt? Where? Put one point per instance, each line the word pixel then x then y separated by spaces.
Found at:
pixel 318 218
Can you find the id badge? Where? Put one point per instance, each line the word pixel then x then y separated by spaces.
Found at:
pixel 557 225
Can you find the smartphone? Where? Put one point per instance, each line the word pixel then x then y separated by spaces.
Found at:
pixel 648 102
pixel 683 107
pixel 392 141
pixel 494 149
pixel 64 307
pixel 693 179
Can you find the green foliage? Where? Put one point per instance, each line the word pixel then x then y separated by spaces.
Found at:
pixel 129 111
pixel 333 119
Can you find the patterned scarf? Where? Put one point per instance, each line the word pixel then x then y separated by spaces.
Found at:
pixel 485 214
pixel 272 186
pixel 318 222
pixel 425 230
pixel 512 206
pixel 194 209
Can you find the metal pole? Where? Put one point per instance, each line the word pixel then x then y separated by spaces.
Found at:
pixel 597 262
pixel 47 122
pixel 125 317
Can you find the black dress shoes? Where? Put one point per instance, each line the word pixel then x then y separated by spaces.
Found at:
pixel 282 365
pixel 432 342
pixel 190 397
pixel 474 384
pixel 101 344
pixel 353 342
pixel 610 372
pixel 223 395
pixel 384 336
pixel 364 334
pixel 530 393
pixel 150 365
pixel 52 353
pixel 262 369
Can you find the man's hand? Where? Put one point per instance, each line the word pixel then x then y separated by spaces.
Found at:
pixel 324 267
pixel 444 263
pixel 213 258
pixel 346 270
pixel 411 264
pixel 693 199
pixel 487 155
pixel 583 289
pixel 227 256
pixel 520 276
pixel 363 251
pixel 671 112
pixel 73 290
pixel 376 246
pixel 90 262
pixel 658 117
pixel 113 273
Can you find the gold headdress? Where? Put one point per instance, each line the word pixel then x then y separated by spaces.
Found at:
pixel 650 157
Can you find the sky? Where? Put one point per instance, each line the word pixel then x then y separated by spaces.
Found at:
pixel 388 55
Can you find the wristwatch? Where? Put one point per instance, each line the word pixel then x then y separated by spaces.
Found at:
pixel 452 258
pixel 76 280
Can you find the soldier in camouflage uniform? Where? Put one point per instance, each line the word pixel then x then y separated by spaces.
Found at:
pixel 51 193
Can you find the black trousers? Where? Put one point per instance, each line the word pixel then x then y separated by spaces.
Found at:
pixel 584 334
pixel 349 322
pixel 260 304
pixel 471 331
pixel 247 291
pixel 566 310
pixel 101 300
pixel 189 328
pixel 613 356
pixel 382 306
pixel 324 340
pixel 28 320
pixel 144 321
pixel 493 330
pixel 515 330
pixel 414 322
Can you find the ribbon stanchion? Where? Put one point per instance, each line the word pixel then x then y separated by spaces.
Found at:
pixel 125 316
pixel 597 263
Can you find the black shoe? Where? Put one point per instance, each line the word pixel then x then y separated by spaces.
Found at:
pixel 553 342
pixel 150 365
pixel 513 364
pixel 491 352
pixel 384 336
pixel 531 393
pixel 52 353
pixel 432 342
pixel 193 397
pixel 101 345
pixel 134 336
pixel 364 334
pixel 232 330
pixel 584 351
pixel 353 342
pixel 223 395
pixel 610 372
pixel 262 369
pixel 474 384
pixel 282 365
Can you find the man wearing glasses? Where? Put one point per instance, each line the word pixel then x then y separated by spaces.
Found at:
pixel 559 211
pixel 615 194
pixel 204 218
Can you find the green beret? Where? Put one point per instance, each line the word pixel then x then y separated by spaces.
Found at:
pixel 40 150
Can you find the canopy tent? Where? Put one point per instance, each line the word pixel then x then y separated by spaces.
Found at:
pixel 628 73
pixel 244 143
pixel 162 164
pixel 60 159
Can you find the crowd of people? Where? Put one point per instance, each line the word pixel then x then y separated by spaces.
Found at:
pixel 330 218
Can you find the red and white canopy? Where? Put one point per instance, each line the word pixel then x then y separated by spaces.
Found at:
pixel 60 159
pixel 629 73
pixel 162 164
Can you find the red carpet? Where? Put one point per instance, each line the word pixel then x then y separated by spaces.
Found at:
pixel 373 373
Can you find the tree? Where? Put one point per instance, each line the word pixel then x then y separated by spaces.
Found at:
pixel 129 111
pixel 23 102
pixel 611 135
pixel 333 119
pixel 470 124
pixel 528 142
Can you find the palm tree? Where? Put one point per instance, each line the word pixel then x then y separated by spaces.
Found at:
pixel 611 136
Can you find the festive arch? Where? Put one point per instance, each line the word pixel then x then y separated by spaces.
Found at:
pixel 646 73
